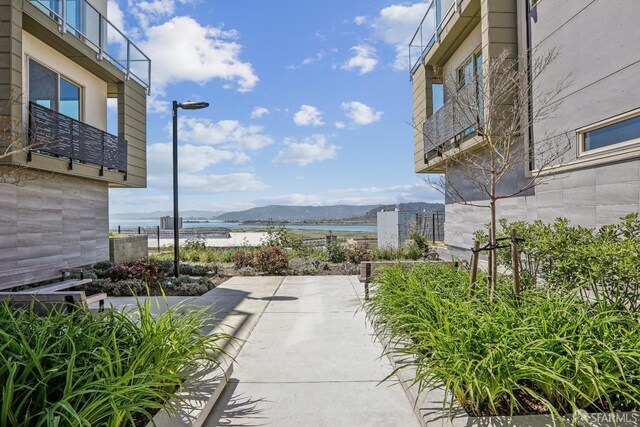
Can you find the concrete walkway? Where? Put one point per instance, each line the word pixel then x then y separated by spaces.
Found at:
pixel 307 359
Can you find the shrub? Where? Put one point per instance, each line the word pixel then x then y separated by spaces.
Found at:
pixel 356 254
pixel 271 260
pixel 187 286
pixel 242 258
pixel 246 271
pixel 101 269
pixel 347 269
pixel 122 288
pixel 335 253
pixel 94 369
pixel 545 352
pixel 302 267
pixel 194 244
pixel 601 263
pixel 421 241
pixel 201 270
pixel 407 251
pixel 150 272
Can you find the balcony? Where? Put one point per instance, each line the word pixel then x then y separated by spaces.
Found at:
pixel 452 124
pixel 56 134
pixel 81 19
pixel 438 14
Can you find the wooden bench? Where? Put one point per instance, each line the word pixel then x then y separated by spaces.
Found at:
pixel 45 302
pixel 48 295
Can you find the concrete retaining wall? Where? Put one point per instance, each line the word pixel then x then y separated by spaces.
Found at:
pixel 131 248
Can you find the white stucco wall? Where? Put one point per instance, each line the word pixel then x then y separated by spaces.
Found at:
pixel 94 89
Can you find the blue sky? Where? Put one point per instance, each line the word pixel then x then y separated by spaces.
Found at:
pixel 310 102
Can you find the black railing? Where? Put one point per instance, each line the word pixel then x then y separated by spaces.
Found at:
pixel 431 225
pixel 54 133
pixel 451 124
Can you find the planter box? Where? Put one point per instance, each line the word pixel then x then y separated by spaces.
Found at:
pixel 433 410
pixel 202 392
pixel 130 248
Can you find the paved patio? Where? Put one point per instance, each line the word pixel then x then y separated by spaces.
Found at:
pixel 308 359
pixel 305 355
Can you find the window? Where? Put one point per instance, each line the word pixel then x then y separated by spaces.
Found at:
pixel 465 73
pixel 625 130
pixel 49 89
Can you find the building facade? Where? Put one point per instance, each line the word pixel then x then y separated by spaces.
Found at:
pixel 63 69
pixel 166 222
pixel 598 179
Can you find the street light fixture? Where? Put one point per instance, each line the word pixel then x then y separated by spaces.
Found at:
pixel 187 105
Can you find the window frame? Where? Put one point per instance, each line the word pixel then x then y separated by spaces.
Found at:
pixel 60 75
pixel 581 134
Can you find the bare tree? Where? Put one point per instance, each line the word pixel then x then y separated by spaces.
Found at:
pixel 17 141
pixel 489 116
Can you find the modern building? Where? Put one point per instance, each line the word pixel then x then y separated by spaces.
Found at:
pixel 166 222
pixel 393 227
pixel 598 179
pixel 64 67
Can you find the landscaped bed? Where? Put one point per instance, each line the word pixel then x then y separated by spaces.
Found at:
pixel 570 341
pixel 109 368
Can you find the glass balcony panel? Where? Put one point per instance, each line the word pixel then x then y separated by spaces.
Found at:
pixel 83 21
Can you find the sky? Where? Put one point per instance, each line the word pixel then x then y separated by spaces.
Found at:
pixel 310 102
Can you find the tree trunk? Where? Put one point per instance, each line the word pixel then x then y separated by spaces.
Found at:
pixel 493 264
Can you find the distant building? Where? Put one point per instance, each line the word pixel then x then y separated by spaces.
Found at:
pixel 166 222
pixel 393 227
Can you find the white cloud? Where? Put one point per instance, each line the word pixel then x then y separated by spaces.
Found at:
pixel 309 150
pixel 364 59
pixel 339 125
pixel 191 158
pixel 310 60
pixel 203 184
pixel 183 50
pixel 308 115
pixel 396 24
pixel 228 134
pixel 361 114
pixel 115 15
pixel 259 112
pixel 360 20
pixel 157 105
pixel 417 192
pixel 230 183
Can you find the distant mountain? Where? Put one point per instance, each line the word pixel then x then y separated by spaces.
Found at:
pixel 407 207
pixel 297 213
pixel 157 214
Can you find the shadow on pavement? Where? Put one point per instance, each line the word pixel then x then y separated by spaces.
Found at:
pixel 232 408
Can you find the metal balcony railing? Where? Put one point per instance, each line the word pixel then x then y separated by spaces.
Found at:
pixel 439 12
pixel 53 133
pixel 449 125
pixel 81 19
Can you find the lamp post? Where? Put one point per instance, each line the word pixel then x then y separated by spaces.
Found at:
pixel 188 105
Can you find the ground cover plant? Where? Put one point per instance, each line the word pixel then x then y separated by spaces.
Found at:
pixel 547 351
pixel 142 277
pixel 281 246
pixel 99 369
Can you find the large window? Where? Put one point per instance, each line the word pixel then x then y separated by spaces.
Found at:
pixel 618 132
pixel 49 89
